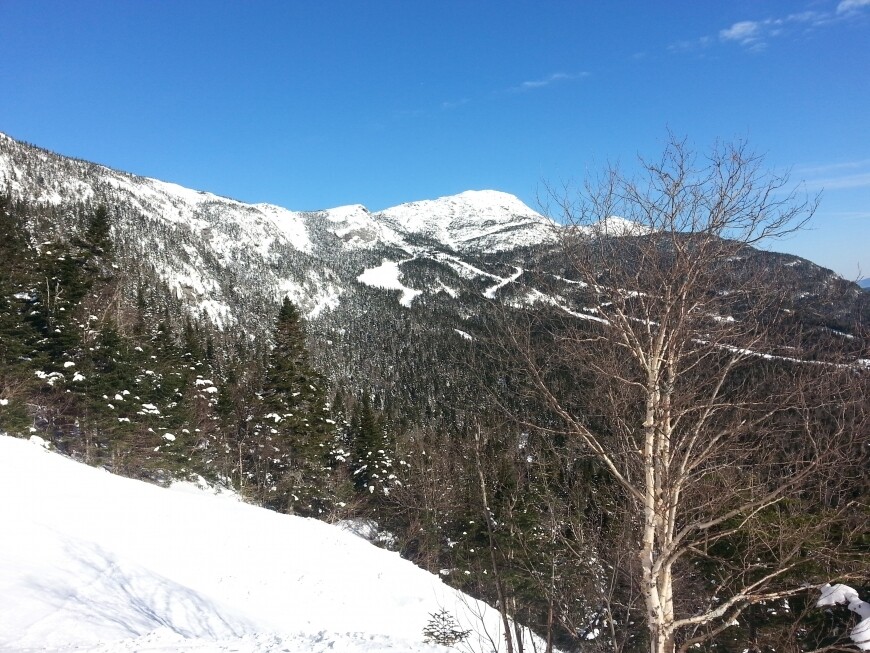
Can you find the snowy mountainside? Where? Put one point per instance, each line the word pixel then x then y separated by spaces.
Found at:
pixel 429 266
pixel 227 260
pixel 483 221
pixel 96 562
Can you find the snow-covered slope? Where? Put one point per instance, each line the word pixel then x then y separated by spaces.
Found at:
pixel 476 220
pixel 357 228
pixel 95 562
pixel 226 259
pixel 483 220
pixel 233 262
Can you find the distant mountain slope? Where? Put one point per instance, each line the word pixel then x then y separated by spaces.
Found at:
pixel 383 292
pixel 487 221
pixel 483 221
pixel 225 258
pixel 865 284
pixel 94 562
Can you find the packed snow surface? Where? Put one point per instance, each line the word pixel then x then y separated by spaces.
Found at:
pixel 489 293
pixel 94 562
pixel 386 276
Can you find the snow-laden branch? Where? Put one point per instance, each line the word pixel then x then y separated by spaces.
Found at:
pixel 843 594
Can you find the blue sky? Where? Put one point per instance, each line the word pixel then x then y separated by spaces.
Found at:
pixel 322 103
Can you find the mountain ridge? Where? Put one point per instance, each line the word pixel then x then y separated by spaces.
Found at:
pixel 225 258
pixel 228 260
pixel 483 204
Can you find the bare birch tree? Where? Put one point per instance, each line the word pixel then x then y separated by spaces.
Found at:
pixel 676 365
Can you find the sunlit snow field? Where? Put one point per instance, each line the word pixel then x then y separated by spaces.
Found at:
pixel 94 562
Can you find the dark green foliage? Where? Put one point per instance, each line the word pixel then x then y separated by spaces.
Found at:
pixel 371 464
pixel 97 236
pixel 70 371
pixel 289 443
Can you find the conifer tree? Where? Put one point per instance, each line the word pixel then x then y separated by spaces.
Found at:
pixel 373 450
pixel 16 333
pixel 365 435
pixel 290 437
pixel 97 235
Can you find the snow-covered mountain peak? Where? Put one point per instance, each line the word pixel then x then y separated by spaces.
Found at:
pixel 486 220
pixel 471 205
pixel 358 229
pixel 475 220
pixel 615 225
pixel 349 213
pixel 224 257
pixel 489 200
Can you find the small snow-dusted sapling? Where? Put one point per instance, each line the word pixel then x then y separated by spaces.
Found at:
pixel 443 629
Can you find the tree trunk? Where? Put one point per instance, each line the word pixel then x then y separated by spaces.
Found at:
pixel 499 585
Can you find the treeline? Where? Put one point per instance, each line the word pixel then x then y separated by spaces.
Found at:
pixel 98 357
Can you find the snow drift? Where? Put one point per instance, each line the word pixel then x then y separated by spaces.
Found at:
pixel 95 562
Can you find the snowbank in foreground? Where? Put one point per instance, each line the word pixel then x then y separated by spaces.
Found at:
pixel 91 561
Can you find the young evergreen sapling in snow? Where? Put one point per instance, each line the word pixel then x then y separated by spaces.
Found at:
pixel 443 629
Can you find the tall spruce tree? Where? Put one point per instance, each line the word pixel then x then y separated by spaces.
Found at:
pixel 367 434
pixel 17 335
pixel 289 452
pixel 98 234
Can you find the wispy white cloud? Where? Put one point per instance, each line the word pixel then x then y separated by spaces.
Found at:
pixel 847 215
pixel 745 32
pixel 691 44
pixel 842 182
pixel 548 80
pixel 849 6
pixel 454 104
pixel 835 176
pixel 829 168
pixel 756 34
